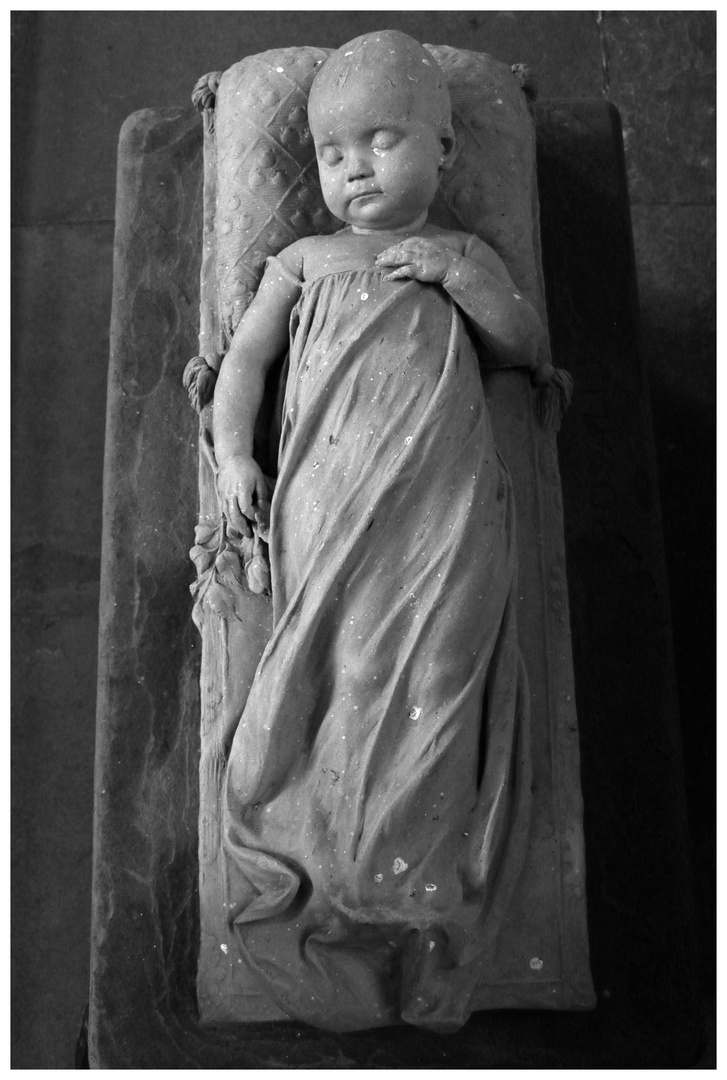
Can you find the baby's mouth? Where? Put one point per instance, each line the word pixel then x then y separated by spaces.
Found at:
pixel 364 194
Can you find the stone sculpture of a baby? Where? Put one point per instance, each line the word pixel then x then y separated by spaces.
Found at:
pixel 367 840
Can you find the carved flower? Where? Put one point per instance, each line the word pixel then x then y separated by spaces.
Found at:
pixel 257 573
pixel 228 566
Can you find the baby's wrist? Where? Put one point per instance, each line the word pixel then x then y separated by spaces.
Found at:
pixel 453 271
pixel 228 460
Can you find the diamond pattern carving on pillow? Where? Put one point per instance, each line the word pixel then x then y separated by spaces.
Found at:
pixel 268 193
pixel 491 189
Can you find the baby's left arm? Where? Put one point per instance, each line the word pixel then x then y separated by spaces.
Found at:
pixel 480 286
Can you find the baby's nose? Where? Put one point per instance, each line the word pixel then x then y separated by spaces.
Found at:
pixel 359 168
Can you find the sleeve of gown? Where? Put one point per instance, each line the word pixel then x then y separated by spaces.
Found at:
pixel 275 262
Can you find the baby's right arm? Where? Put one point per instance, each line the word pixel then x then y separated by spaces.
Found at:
pixel 259 340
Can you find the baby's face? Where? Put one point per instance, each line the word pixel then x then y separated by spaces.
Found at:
pixel 379 158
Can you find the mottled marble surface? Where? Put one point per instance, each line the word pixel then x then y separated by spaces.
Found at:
pixel 58 382
pixel 660 71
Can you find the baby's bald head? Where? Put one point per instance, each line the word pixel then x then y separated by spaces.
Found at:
pixel 389 71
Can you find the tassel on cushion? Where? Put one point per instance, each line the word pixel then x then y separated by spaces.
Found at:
pixel 204 96
pixel 199 380
pixel 554 392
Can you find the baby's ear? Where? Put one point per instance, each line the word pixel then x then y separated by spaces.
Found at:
pixel 450 148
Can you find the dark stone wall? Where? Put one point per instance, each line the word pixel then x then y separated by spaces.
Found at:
pixel 77 76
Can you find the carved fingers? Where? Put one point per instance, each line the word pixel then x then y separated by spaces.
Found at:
pixel 236 516
pixel 243 494
pixel 416 257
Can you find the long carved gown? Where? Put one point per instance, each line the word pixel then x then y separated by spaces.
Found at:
pixel 376 798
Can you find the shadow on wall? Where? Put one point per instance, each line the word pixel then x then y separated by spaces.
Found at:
pixel 685 436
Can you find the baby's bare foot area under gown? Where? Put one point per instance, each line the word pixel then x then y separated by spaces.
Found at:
pixel 377 794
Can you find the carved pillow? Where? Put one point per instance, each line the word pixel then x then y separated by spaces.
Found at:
pixel 268 193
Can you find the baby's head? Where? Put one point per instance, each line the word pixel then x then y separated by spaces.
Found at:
pixel 390 68
pixel 381 101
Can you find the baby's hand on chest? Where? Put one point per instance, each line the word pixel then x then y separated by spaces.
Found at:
pixel 418 257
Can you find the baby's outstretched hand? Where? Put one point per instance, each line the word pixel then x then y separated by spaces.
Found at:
pixel 415 257
pixel 243 493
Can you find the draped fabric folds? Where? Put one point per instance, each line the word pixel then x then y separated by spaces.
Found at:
pixel 376 803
